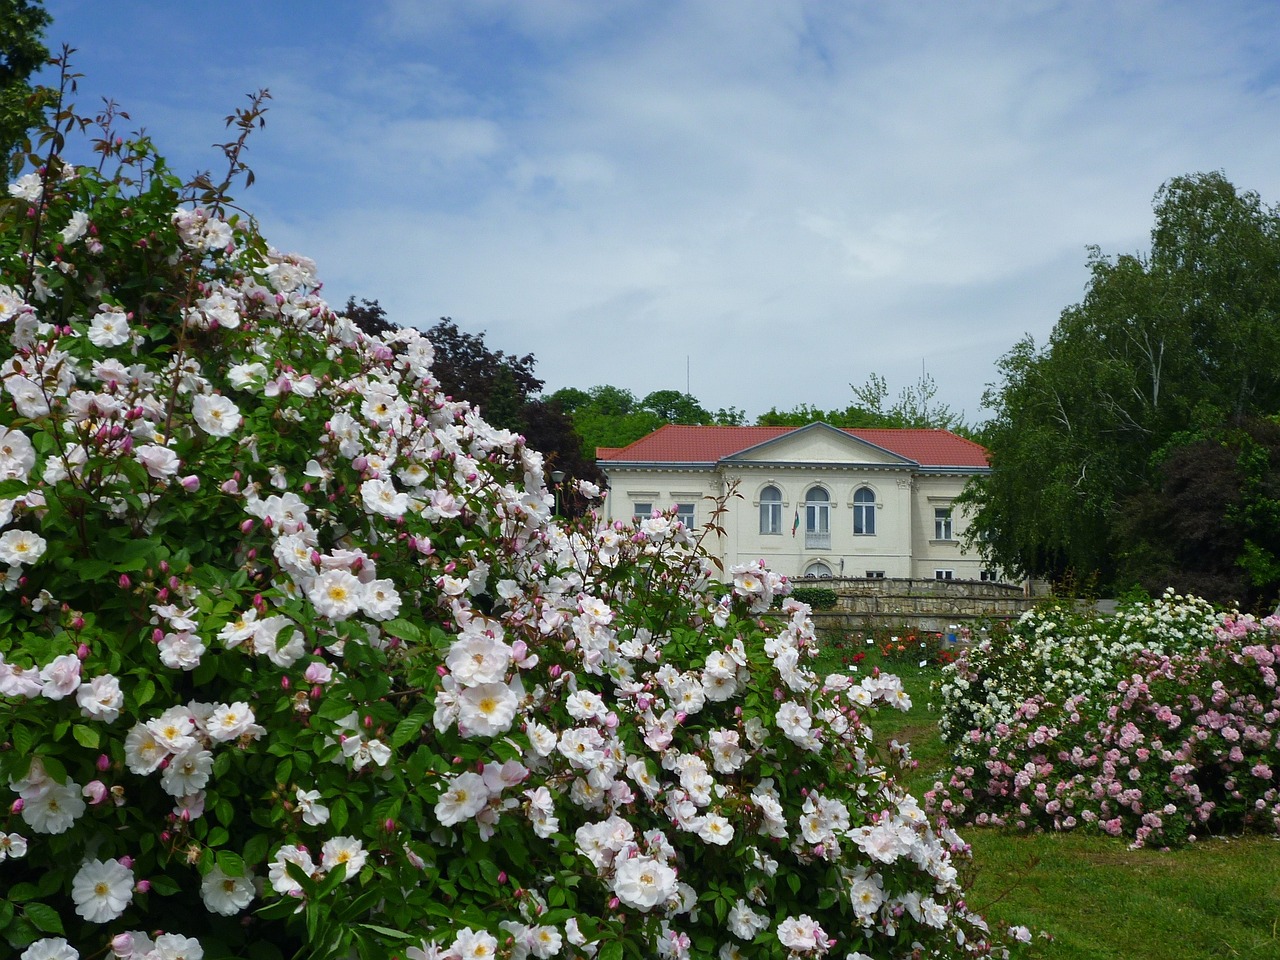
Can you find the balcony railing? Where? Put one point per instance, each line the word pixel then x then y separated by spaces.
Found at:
pixel 817 541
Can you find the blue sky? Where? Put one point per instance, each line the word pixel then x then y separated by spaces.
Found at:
pixel 792 195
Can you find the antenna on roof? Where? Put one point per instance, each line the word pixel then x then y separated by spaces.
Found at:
pixel 687 391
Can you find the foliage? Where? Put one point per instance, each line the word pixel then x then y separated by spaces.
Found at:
pixel 22 53
pixel 1164 729
pixel 607 416
pixel 1159 346
pixel 296 661
pixel 915 408
pixel 817 598
pixel 1209 521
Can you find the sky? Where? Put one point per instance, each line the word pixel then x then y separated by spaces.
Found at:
pixel 762 201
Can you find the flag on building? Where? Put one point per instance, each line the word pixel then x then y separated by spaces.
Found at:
pixel 796 523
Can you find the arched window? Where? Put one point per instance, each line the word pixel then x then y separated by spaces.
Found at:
pixel 817 519
pixel 817 569
pixel 864 511
pixel 771 510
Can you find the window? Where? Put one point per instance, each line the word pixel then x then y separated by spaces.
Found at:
pixel 817 520
pixel 818 569
pixel 942 523
pixel 641 511
pixel 684 513
pixel 771 510
pixel 987 576
pixel 864 512
pixel 944 574
pixel 875 574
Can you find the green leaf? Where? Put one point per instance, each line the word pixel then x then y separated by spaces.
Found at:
pixel 21 933
pixel 92 569
pixel 144 691
pixel 164 886
pixel 338 814
pixel 22 891
pixel 23 738
pixel 230 863
pixel 408 728
pixel 611 950
pixel 405 630
pixel 87 737
pixel 388 932
pixel 44 917
pixel 255 848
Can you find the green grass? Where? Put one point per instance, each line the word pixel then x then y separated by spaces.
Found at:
pixel 1097 899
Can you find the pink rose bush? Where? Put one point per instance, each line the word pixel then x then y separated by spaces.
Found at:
pixel 1179 742
pixel 295 659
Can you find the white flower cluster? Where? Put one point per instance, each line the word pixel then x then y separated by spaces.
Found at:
pixel 1055 653
pixel 180 743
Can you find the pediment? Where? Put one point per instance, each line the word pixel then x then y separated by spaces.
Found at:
pixel 819 443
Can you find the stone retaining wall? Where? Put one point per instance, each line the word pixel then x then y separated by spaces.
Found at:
pixel 933 606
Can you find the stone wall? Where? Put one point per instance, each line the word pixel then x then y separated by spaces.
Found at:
pixel 933 606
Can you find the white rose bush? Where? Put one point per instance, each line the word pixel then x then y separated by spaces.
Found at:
pixel 296 661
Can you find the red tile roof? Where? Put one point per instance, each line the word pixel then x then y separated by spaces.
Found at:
pixel 677 443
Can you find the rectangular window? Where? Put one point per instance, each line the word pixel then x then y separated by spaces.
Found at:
pixel 987 576
pixel 875 574
pixel 944 574
pixel 641 511
pixel 771 516
pixel 817 518
pixel 942 523
pixel 864 519
pixel 684 513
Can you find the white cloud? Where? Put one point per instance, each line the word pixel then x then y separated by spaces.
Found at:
pixel 792 194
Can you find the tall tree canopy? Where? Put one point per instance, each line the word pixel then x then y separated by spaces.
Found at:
pixel 608 416
pixel 22 53
pixel 915 407
pixel 1164 350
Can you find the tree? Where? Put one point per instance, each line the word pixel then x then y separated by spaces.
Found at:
pixel 915 408
pixel 608 416
pixel 22 53
pixel 467 369
pixel 1209 521
pixel 1160 345
pixel 672 406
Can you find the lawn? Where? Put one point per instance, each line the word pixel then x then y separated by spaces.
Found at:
pixel 1096 898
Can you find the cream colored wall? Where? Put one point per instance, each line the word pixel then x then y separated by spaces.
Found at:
pixel 888 550
pixel 931 491
pixel 821 445
pixel 663 488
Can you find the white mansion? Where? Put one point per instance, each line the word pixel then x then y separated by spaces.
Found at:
pixel 814 501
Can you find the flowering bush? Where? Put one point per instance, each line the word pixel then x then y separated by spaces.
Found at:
pixel 295 659
pixel 1183 744
pixel 1054 651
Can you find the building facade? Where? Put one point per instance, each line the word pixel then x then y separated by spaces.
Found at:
pixel 812 501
